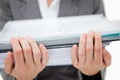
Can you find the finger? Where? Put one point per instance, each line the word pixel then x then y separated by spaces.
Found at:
pixel 44 54
pixel 35 49
pixel 89 48
pixel 26 50
pixel 82 52
pixel 74 55
pixel 106 58
pixel 98 49
pixel 8 62
pixel 17 52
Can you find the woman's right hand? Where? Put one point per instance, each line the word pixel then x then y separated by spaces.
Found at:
pixel 29 59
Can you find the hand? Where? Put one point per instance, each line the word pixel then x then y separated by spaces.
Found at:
pixel 90 57
pixel 29 59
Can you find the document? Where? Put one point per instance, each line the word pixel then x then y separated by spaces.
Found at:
pixel 59 35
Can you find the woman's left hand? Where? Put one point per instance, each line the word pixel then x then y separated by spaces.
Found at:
pixel 90 57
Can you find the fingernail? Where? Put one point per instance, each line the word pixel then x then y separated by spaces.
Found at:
pixel 74 46
pixel 41 45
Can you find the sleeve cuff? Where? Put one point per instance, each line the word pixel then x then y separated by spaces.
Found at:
pixel 94 77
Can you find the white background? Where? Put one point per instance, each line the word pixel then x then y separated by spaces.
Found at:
pixel 112 13
pixel 112 8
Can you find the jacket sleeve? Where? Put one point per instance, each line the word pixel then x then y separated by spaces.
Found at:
pixel 94 77
pixel 5 13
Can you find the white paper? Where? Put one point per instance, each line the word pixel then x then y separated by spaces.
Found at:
pixel 56 27
pixel 59 57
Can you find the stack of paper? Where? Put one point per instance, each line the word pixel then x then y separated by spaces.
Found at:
pixel 60 34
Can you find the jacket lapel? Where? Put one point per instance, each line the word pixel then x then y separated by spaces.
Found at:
pixel 30 9
pixel 67 8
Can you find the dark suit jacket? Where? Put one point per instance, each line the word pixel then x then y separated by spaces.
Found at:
pixel 29 9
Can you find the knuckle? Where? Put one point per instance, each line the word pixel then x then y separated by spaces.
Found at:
pixel 89 49
pixel 28 49
pixel 98 49
pixel 82 54
pixel 18 51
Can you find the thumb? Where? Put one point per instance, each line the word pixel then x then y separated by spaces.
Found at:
pixel 8 61
pixel 106 58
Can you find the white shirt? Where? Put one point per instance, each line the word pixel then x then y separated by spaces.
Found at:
pixel 51 11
